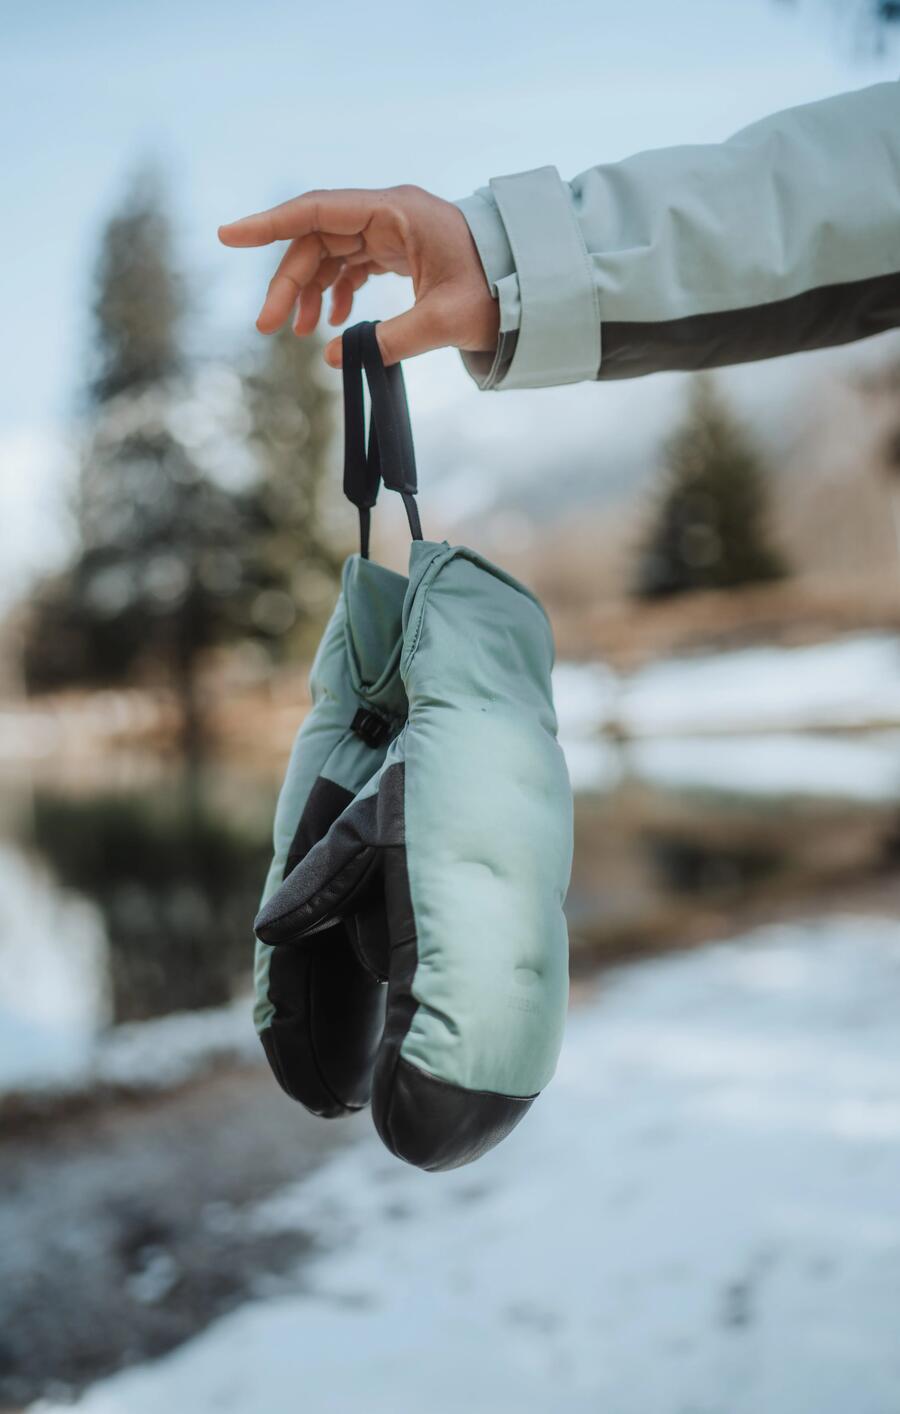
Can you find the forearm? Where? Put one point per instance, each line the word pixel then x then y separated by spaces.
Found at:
pixel 785 237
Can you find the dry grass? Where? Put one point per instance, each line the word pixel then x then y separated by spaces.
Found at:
pixel 627 633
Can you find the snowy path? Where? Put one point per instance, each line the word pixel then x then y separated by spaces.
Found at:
pixel 701 1216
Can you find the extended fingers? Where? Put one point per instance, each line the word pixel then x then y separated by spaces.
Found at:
pixel 350 279
pixel 337 213
pixel 307 262
pixel 310 305
pixel 298 266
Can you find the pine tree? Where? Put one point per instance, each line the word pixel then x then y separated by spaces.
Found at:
pixel 300 526
pixel 710 529
pixel 139 297
pixel 198 500
pixel 152 528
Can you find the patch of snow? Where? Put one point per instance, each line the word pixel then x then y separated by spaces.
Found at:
pixel 584 695
pixel 858 768
pixel 594 764
pixel 864 768
pixel 142 1055
pixel 763 722
pixel 700 1214
pixel 170 1049
pixel 851 682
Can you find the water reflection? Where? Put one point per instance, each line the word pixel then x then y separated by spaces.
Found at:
pixel 120 902
pixel 682 838
pixel 128 898
pixel 176 881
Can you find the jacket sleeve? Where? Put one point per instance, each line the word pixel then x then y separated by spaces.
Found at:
pixel 786 237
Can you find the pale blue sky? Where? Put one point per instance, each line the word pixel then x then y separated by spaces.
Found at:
pixel 250 103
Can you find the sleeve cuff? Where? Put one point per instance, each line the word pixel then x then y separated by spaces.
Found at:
pixel 489 369
pixel 494 251
pixel 489 235
pixel 537 265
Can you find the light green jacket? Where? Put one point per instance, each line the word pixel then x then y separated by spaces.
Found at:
pixel 785 237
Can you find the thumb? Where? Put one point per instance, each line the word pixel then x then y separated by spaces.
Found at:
pixel 417 331
pixel 321 889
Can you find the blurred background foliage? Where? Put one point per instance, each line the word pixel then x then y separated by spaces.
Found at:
pixel 711 527
pixel 200 504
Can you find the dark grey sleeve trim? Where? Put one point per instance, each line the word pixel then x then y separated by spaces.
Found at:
pixel 833 314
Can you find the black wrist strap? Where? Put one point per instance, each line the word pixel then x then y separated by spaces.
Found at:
pixel 389 456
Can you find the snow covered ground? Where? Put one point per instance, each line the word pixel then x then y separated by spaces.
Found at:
pixel 759 721
pixel 851 682
pixel 863 767
pixel 700 1216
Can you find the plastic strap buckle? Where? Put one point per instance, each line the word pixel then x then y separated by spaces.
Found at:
pixel 371 728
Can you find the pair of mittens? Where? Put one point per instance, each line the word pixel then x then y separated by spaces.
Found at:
pixel 448 869
pixel 319 1010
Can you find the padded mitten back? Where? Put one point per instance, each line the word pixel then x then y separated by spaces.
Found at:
pixel 478 997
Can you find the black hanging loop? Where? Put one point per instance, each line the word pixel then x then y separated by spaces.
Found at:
pixel 412 515
pixel 361 468
pixel 365 525
pixel 390 456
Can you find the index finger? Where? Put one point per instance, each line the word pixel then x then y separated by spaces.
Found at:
pixel 338 213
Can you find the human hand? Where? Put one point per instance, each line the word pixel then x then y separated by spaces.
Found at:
pixel 339 238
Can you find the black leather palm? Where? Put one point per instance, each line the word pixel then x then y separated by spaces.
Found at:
pixel 329 1007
